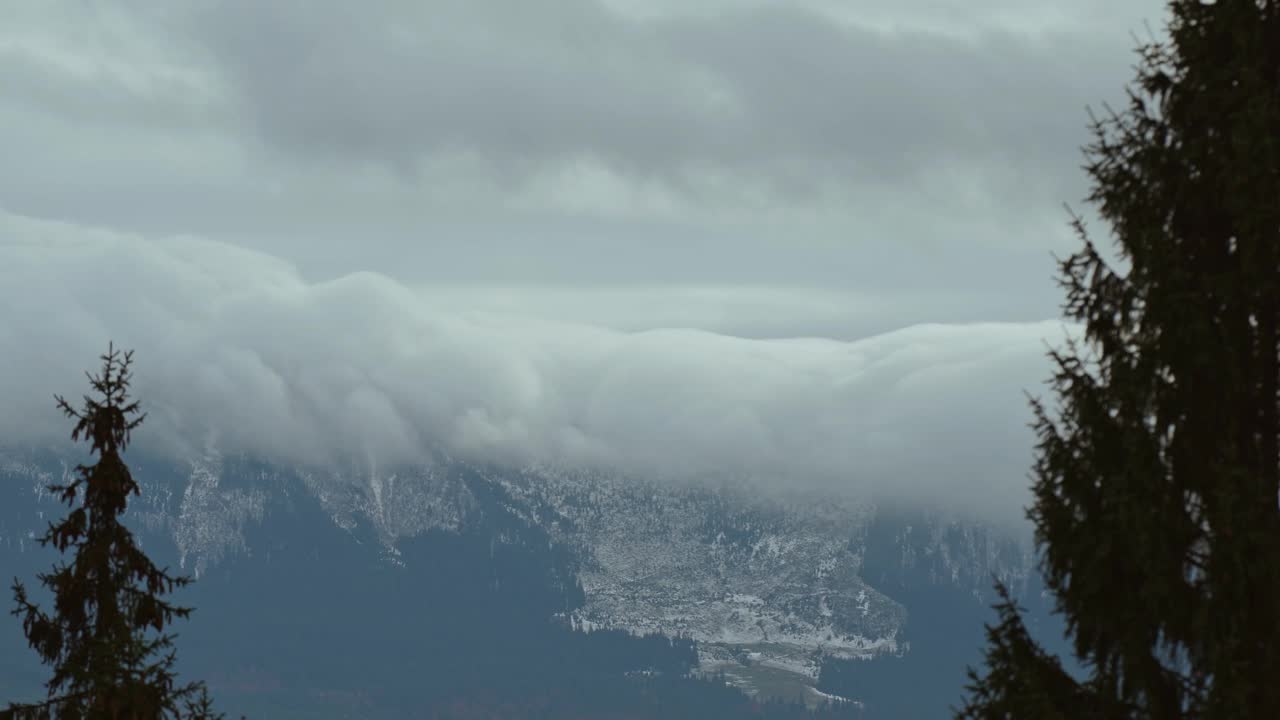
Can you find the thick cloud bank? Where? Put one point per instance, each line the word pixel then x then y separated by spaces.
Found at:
pixel 235 346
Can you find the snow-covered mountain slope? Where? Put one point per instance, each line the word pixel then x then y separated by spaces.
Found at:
pixel 743 576
pixel 769 587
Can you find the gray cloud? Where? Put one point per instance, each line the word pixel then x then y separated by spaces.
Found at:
pixel 806 143
pixel 775 95
pixel 512 82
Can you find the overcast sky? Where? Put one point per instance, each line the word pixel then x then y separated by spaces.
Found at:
pixel 585 169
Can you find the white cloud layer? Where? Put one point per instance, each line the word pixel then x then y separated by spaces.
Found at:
pixel 237 345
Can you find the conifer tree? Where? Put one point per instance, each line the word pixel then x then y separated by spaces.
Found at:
pixel 1157 476
pixel 105 637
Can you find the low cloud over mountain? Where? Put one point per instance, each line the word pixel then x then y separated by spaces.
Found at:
pixel 237 346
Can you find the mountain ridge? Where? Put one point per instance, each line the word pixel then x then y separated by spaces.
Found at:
pixel 770 590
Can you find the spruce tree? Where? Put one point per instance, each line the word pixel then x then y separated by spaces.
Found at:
pixel 1157 477
pixel 105 637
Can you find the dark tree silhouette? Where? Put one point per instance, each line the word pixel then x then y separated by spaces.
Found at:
pixel 105 638
pixel 1157 477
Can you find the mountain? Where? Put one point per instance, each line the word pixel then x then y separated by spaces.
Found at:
pixel 456 590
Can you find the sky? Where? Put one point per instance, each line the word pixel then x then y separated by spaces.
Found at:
pixel 808 240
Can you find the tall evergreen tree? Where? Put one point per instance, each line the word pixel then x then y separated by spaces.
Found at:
pixel 105 638
pixel 1157 478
